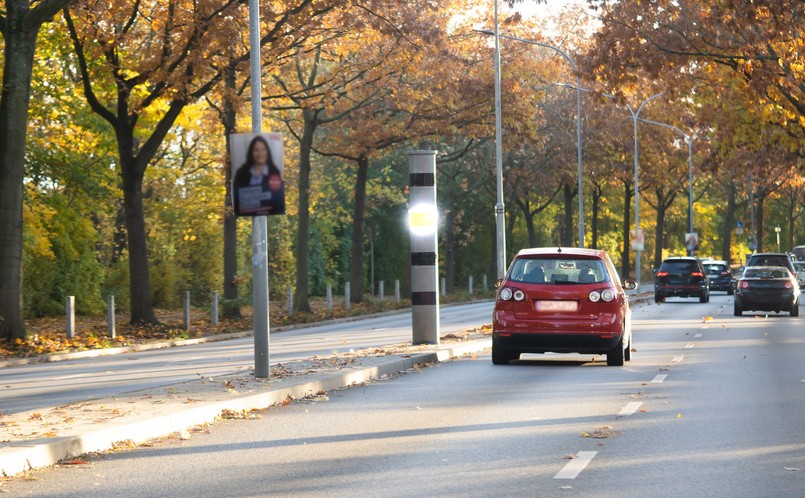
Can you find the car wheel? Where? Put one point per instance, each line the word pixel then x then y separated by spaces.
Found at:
pixel 658 298
pixel 795 308
pixel 730 291
pixel 615 355
pixel 737 311
pixel 500 356
pixel 704 298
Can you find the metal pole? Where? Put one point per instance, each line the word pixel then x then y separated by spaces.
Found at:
pixel 635 116
pixel 186 311
pixel 110 316
pixel 500 210
pixel 69 307
pixel 579 154
pixel 215 307
pixel 424 247
pixel 259 223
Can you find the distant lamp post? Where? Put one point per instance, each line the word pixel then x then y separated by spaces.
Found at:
pixel 777 230
pixel 578 110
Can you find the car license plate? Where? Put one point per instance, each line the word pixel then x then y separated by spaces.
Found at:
pixel 557 305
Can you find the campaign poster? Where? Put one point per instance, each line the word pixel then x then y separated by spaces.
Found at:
pixel 258 179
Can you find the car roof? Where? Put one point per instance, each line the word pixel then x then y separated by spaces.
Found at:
pixel 562 251
pixel 771 254
pixel 681 258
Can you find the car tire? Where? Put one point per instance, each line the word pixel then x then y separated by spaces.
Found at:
pixel 627 352
pixel 705 297
pixel 658 298
pixel 795 308
pixel 616 355
pixel 500 356
pixel 730 291
pixel 736 310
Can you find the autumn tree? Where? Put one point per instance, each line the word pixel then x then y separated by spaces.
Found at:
pixel 20 22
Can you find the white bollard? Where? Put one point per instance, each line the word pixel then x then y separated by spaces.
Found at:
pixel 70 309
pixel 397 291
pixel 215 308
pixel 186 314
pixel 329 298
pixel 444 287
pixel 485 283
pixel 289 294
pixel 469 285
pixel 110 316
pixel 346 296
pixel 380 290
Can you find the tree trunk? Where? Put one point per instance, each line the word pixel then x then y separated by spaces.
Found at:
pixel 301 298
pixel 627 221
pixel 759 217
pixel 231 308
pixel 142 306
pixel 450 248
pixel 659 235
pixel 729 222
pixel 356 272
pixel 567 228
pixel 19 50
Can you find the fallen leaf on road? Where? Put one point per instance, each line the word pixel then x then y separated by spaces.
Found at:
pixel 184 435
pixel 35 416
pixel 708 319
pixel 570 457
pixel 74 461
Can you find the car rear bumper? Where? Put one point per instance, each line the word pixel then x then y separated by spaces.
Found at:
pixel 555 343
pixel 776 301
pixel 680 290
pixel 559 336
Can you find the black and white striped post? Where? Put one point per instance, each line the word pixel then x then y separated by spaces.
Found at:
pixel 423 223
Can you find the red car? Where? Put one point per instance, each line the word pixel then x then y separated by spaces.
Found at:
pixel 562 300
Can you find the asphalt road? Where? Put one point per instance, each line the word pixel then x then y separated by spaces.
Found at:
pixel 710 405
pixel 42 385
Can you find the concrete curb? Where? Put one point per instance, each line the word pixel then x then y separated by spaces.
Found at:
pixel 96 353
pixel 23 457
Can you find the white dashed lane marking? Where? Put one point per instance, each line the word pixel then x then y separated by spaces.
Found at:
pixel 659 379
pixel 689 346
pixel 574 467
pixel 697 336
pixel 678 359
pixel 630 408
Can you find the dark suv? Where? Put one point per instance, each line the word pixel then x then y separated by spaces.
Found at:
pixel 772 259
pixel 719 274
pixel 681 276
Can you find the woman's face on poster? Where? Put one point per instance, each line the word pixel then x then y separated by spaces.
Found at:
pixel 259 153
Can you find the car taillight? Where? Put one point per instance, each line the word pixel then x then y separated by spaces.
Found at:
pixel 607 295
pixel 743 284
pixel 789 285
pixel 662 273
pixel 696 274
pixel 506 294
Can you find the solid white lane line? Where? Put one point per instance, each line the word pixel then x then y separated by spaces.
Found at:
pixel 630 408
pixel 678 359
pixel 689 346
pixel 574 467
pixel 659 378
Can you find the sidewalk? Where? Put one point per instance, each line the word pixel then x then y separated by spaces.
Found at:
pixel 40 438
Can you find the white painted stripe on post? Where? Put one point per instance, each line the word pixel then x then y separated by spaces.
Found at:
pixel 573 468
pixel 659 379
pixel 630 408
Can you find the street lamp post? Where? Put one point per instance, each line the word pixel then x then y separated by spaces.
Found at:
pixel 689 139
pixel 497 35
pixel 500 210
pixel 635 118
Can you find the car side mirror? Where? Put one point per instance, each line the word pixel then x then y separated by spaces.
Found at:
pixel 498 283
pixel 655 270
pixel 629 284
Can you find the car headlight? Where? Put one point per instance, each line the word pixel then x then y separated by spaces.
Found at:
pixel 505 293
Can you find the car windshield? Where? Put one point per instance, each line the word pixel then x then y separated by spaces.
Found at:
pixel 768 260
pixel 558 271
pixel 715 269
pixel 766 273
